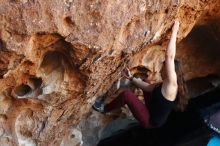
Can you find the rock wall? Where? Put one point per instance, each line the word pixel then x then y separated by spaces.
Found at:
pixel 57 56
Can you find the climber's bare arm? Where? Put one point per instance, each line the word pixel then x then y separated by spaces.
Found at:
pixel 169 86
pixel 143 85
pixel 138 82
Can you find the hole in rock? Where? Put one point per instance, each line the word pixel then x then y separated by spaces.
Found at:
pixel 52 69
pixel 53 61
pixel 73 136
pixel 140 71
pixel 35 82
pixel 22 90
pixel 68 20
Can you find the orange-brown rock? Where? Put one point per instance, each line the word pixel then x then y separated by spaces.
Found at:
pixel 57 56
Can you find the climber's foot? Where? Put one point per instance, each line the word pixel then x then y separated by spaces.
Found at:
pixel 98 105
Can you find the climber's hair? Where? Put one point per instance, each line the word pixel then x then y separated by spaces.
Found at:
pixel 182 97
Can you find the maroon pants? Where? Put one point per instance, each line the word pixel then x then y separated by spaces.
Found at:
pixel 139 110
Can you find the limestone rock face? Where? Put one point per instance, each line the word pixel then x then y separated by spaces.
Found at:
pixel 57 56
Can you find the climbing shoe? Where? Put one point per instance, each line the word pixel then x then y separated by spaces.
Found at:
pixel 99 106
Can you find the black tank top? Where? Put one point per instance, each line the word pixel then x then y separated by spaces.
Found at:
pixel 159 107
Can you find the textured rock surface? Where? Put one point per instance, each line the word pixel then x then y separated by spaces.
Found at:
pixel 57 56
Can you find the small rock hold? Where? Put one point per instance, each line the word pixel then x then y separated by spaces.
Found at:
pixel 146 33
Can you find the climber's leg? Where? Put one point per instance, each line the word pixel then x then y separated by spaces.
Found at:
pixel 138 109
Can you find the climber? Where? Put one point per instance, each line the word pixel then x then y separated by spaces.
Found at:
pixel 159 98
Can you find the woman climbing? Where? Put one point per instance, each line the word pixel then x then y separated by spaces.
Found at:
pixel 159 98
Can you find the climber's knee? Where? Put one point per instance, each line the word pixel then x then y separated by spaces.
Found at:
pixel 127 95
